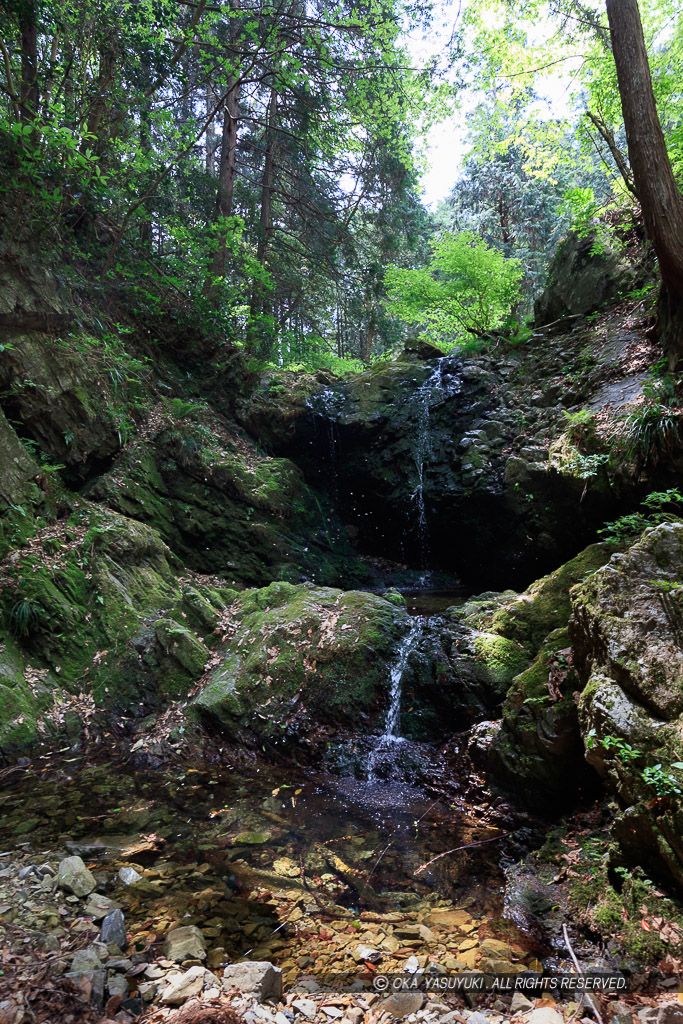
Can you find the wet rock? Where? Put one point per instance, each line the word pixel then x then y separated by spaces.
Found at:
pixel 258 978
pixel 129 876
pixel 186 943
pixel 182 987
pixel 74 876
pixel 402 1004
pixel 114 929
pixel 343 640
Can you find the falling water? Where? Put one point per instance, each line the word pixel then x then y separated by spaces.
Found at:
pixel 327 406
pixel 421 449
pixel 390 735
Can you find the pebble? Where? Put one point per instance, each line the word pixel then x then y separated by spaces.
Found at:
pixel 182 987
pixel 114 929
pixel 74 876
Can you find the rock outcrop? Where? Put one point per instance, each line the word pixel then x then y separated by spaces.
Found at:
pixel 627 636
pixel 299 661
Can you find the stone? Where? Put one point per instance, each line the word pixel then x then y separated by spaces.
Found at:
pixel 98 906
pixel 114 929
pixel 91 984
pixel 185 943
pixel 297 622
pixel 305 1006
pixel 366 953
pixel 87 959
pixel 478 1018
pixel 255 977
pixel 147 990
pixel 520 1003
pixel 182 987
pixel 545 1015
pixel 118 986
pixel 670 1013
pixel 495 948
pixel 402 1004
pixel 129 875
pixel 74 876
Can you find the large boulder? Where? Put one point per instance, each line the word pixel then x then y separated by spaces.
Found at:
pixel 627 636
pixel 222 505
pixel 538 743
pixel 584 276
pixel 301 660
pixel 93 614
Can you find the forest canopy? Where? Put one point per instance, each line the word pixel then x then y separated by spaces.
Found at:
pixel 258 164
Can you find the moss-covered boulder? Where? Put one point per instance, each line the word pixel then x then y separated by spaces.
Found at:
pixel 627 630
pixel 519 645
pixel 538 753
pixel 223 506
pixel 545 606
pixel 300 662
pixel 92 614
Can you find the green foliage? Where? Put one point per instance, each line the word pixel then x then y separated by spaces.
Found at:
pixel 656 776
pixel 580 427
pixel 661 507
pixel 180 409
pixel 25 615
pixel 467 288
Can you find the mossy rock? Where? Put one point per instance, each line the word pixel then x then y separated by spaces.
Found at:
pixel 539 742
pixel 545 606
pixel 94 607
pixel 301 661
pixel 223 506
pixel 24 694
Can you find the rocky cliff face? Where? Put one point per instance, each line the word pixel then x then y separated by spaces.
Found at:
pixel 468 464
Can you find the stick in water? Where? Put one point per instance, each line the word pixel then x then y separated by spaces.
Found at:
pixel 467 846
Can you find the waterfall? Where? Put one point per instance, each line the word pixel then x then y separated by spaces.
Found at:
pixel 327 406
pixel 390 735
pixel 421 449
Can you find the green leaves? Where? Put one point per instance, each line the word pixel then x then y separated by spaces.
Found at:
pixel 467 288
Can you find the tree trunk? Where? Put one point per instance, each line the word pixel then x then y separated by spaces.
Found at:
pixel 653 177
pixel 226 168
pixel 258 311
pixel 28 26
pixel 226 182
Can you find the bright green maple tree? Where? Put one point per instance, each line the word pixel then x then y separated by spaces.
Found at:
pixel 467 288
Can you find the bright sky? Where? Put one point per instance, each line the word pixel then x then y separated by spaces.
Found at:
pixel 447 142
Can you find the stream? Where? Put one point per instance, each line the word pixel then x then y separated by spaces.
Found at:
pixel 306 868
